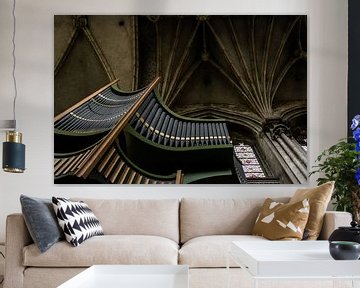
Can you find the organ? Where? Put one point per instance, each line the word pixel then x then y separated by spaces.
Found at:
pixel 121 137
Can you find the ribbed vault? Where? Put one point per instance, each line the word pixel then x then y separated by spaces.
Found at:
pixel 250 71
pixel 242 68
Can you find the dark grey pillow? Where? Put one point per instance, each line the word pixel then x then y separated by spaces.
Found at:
pixel 41 221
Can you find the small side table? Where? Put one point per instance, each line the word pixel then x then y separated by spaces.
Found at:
pixel 284 262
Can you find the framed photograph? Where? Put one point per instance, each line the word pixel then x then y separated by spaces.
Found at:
pixel 180 99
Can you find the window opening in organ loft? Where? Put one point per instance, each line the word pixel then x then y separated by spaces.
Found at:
pixel 250 163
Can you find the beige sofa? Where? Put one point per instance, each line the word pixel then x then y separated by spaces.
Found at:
pixel 194 232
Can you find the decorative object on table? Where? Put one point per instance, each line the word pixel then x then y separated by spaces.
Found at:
pixel 279 221
pixel 344 233
pixel 77 220
pixel 319 198
pixel 344 250
pixel 13 149
pixel 341 163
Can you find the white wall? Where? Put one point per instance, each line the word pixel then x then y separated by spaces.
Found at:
pixel 327 66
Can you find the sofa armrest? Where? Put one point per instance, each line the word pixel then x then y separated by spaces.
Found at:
pixel 17 237
pixel 333 220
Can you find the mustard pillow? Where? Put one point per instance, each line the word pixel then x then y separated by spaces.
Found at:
pixel 279 221
pixel 319 198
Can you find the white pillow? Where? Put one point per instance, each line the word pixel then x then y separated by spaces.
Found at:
pixel 76 220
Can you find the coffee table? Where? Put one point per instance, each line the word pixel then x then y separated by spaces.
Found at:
pixel 131 276
pixel 292 260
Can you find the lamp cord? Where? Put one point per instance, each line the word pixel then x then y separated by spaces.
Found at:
pixel 14 61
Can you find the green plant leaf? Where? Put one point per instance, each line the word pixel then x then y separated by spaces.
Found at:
pixel 339 163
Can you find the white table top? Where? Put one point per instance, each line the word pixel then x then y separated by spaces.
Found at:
pixel 131 276
pixel 291 259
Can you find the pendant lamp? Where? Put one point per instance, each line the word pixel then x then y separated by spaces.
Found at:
pixel 13 149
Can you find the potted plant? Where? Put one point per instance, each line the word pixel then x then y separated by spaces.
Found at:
pixel 341 163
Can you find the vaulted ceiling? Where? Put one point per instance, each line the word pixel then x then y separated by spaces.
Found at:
pixel 246 69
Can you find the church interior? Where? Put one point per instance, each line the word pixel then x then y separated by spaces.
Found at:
pixel 180 99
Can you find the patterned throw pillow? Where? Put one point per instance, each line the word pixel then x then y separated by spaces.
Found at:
pixel 279 221
pixel 319 198
pixel 77 220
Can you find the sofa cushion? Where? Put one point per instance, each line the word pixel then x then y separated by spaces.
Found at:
pixel 137 217
pixel 107 249
pixel 200 217
pixel 41 221
pixel 77 220
pixel 211 251
pixel 319 198
pixel 35 277
pixel 279 221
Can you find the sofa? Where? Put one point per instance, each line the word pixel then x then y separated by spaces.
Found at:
pixel 190 231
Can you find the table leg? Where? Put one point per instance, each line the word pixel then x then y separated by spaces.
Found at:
pixel 228 270
pixel 355 283
pixel 340 283
pixel 255 283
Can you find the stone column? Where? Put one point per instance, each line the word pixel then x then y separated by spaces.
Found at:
pixel 293 156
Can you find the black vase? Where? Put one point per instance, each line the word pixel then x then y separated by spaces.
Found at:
pixel 351 234
pixel 344 250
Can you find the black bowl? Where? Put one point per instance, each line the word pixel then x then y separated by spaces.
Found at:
pixel 344 250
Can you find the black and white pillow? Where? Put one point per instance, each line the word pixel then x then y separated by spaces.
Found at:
pixel 77 220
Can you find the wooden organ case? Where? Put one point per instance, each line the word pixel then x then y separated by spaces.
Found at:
pixel 121 137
